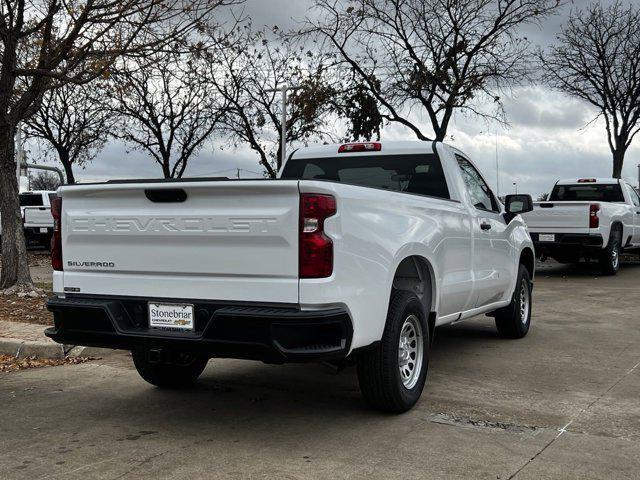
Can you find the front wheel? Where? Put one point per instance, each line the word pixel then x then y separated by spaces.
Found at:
pixel 176 370
pixel 392 375
pixel 514 320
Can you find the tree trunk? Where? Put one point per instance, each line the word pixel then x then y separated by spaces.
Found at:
pixel 15 265
pixel 68 166
pixel 166 162
pixel 618 162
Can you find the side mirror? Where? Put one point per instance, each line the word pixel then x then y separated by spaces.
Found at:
pixel 517 204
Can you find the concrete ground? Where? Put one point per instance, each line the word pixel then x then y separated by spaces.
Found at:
pixel 561 403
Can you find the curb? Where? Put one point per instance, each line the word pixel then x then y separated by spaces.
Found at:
pixel 25 348
pixel 46 350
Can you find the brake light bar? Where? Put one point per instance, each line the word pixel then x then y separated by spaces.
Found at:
pixel 360 147
pixel 56 239
pixel 594 219
pixel 587 180
pixel 315 248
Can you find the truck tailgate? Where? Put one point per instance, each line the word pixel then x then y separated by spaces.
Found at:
pixel 558 216
pixel 231 240
pixel 37 217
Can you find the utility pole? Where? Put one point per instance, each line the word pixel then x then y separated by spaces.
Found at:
pixel 515 185
pixel 283 140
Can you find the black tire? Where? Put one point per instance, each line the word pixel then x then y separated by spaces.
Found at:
pixel 514 320
pixel 379 374
pixel 610 257
pixel 180 370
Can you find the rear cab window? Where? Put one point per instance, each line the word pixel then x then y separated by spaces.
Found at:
pixel 420 174
pixel 31 200
pixel 581 192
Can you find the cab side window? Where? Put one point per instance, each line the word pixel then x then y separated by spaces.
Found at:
pixel 479 191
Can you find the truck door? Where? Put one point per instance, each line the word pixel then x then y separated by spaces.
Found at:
pixel 492 260
pixel 635 198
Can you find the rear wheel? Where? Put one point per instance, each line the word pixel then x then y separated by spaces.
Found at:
pixel 392 375
pixel 514 320
pixel 610 257
pixel 174 370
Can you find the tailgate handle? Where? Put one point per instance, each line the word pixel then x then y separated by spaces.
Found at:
pixel 166 195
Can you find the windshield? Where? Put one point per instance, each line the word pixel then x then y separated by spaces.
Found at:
pixel 587 193
pixel 421 173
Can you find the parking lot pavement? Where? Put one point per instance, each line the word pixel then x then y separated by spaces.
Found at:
pixel 561 403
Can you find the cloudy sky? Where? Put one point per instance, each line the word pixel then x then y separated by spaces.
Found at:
pixel 547 138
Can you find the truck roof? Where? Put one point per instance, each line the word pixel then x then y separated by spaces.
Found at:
pixel 573 181
pixel 387 148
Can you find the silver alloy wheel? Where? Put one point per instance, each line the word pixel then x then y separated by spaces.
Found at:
pixel 525 302
pixel 410 351
pixel 615 257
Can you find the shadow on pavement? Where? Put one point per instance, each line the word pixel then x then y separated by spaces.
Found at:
pixel 582 269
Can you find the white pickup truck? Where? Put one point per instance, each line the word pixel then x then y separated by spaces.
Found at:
pixel 357 252
pixel 587 218
pixel 37 221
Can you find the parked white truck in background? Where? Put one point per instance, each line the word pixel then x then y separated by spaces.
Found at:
pixel 37 220
pixel 357 252
pixel 587 218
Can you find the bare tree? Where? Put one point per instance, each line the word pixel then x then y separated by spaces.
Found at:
pixel 47 43
pixel 248 70
pixel 166 107
pixel 431 57
pixel 44 181
pixel 75 122
pixel 597 59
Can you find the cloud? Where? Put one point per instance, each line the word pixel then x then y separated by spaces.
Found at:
pixel 536 156
pixel 541 107
pixel 547 139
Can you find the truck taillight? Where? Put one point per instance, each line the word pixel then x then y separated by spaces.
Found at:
pixel 594 220
pixel 316 249
pixel 360 147
pixel 56 239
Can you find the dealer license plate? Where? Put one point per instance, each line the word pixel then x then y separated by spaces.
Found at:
pixel 547 237
pixel 171 316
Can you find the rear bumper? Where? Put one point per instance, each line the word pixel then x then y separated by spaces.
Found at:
pixel 568 244
pixel 273 334
pixel 37 231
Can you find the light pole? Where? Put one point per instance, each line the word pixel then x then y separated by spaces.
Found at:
pixel 497 168
pixel 283 141
pixel 515 185
pixel 21 161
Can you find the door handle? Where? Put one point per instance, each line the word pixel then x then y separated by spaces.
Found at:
pixel 485 226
